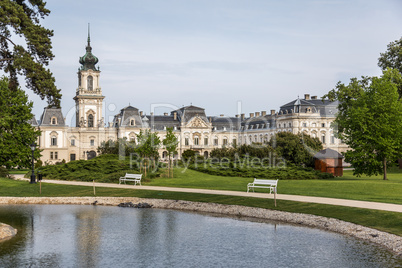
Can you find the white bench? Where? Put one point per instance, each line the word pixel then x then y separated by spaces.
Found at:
pixel 136 178
pixel 260 183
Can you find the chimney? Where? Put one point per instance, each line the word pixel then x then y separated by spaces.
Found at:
pixel 313 97
pixel 272 112
pixel 141 113
pixel 165 114
pixel 251 115
pixel 222 115
pixel 152 114
pixel 210 119
pixel 174 115
pixel 237 115
pixel 306 96
pixel 263 113
pixel 242 116
pixel 257 114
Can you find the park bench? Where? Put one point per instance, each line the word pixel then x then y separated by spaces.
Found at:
pixel 136 178
pixel 261 183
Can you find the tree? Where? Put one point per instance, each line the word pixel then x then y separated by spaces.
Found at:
pixel 148 144
pixel 370 122
pixel 298 149
pixel 392 58
pixel 21 18
pixel 16 133
pixel 170 142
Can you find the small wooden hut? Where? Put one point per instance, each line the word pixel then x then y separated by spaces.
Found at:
pixel 329 161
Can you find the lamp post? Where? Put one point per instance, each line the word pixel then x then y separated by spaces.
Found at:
pixel 33 146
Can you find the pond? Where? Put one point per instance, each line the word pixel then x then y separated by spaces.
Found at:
pixel 98 236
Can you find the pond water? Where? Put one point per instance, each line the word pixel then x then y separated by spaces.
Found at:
pixel 98 236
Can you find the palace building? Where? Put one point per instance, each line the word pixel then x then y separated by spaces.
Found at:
pixel 194 129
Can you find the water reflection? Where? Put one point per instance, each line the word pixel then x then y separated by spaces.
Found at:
pixel 88 236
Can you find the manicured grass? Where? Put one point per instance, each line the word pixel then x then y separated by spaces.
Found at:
pixel 347 187
pixel 381 220
pixel 18 171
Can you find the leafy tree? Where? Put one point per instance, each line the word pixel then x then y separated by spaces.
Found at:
pixel 370 121
pixel 148 144
pixel 29 57
pixel 16 133
pixel 188 155
pixel 170 143
pixel 392 58
pixel 298 149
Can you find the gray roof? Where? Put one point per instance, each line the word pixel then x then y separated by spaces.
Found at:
pixel 325 107
pixel 328 154
pixel 259 122
pixel 225 123
pixel 185 114
pixel 123 118
pixel 33 121
pixel 161 122
pixel 49 113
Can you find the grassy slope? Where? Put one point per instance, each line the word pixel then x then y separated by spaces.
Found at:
pixel 346 187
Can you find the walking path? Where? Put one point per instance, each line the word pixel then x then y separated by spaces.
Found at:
pixel 298 198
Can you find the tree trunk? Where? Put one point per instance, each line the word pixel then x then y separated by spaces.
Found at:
pixel 385 169
pixel 169 167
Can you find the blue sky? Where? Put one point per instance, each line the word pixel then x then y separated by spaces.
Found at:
pixel 217 53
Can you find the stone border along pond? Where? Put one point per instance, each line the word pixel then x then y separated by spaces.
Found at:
pixel 389 241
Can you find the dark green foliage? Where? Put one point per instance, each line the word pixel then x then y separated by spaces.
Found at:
pixel 392 58
pixel 16 134
pixel 104 168
pixel 4 172
pixel 296 149
pixel 188 155
pixel 120 147
pixel 244 168
pixel 33 53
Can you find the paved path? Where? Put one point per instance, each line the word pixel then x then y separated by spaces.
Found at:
pixel 298 198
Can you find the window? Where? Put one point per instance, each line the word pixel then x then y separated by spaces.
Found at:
pixel 132 122
pixel 53 141
pixel 290 124
pixel 92 142
pixel 54 121
pixel 205 141
pixel 90 83
pixel 225 141
pixel 313 125
pixel 186 141
pixel 216 141
pixel 90 120
pixel 332 139
pixel 51 155
pixel 55 155
pixel 323 138
pixel 323 125
pixel 304 124
pixel 196 140
pixel 72 157
pixel 234 142
pixel 72 142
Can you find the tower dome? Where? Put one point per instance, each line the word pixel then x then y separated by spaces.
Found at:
pixel 89 60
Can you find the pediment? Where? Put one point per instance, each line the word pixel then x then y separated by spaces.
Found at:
pixel 197 122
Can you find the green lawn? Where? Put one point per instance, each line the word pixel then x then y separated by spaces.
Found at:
pixel 381 220
pixel 346 187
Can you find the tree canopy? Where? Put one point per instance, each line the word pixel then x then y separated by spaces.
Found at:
pixel 392 58
pixel 369 121
pixel 16 133
pixel 25 47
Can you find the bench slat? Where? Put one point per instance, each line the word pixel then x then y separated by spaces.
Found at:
pixel 261 183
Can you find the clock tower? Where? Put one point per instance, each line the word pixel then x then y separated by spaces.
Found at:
pixel 88 98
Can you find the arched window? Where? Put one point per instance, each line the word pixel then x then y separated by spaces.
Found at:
pixel 196 140
pixel 225 141
pixel 90 120
pixel 205 155
pixel 90 82
pixel 54 121
pixel 132 122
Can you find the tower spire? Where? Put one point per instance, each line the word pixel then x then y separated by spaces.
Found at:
pixel 89 37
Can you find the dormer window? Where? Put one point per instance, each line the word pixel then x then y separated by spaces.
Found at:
pixel 132 122
pixel 54 121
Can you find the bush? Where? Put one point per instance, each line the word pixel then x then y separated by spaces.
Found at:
pixel 4 172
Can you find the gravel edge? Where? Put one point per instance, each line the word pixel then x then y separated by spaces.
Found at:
pixel 389 241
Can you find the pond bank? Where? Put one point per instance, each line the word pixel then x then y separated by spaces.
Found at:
pixel 389 241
